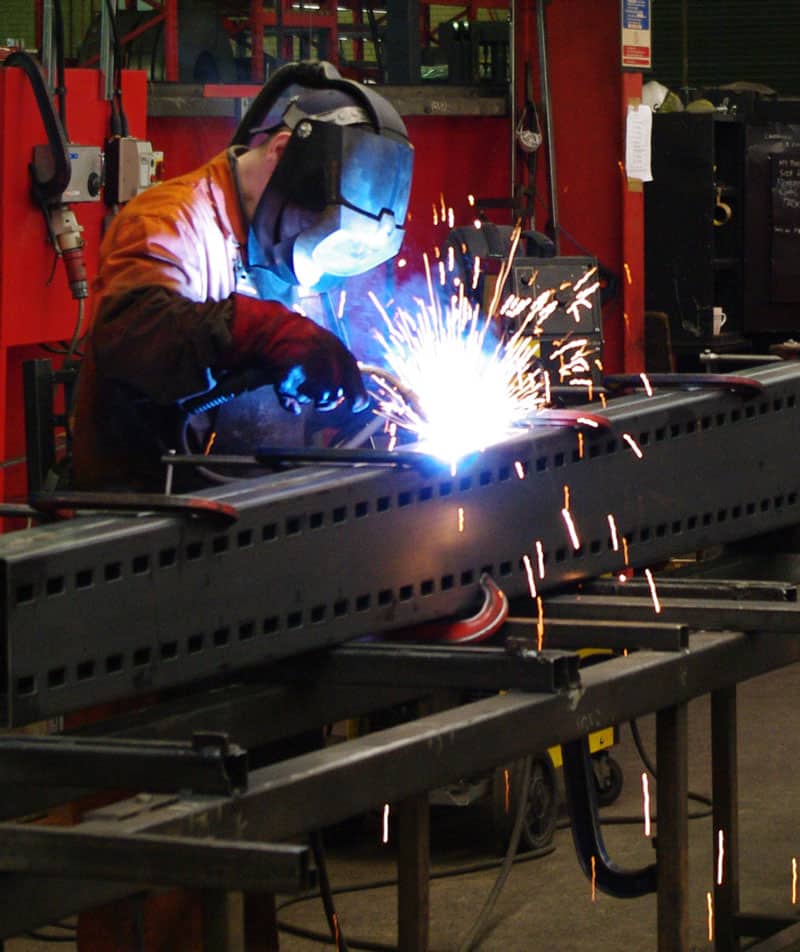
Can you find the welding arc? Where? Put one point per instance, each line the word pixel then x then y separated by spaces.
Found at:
pixel 478 627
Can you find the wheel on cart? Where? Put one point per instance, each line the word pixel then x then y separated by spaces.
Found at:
pixel 608 778
pixel 541 812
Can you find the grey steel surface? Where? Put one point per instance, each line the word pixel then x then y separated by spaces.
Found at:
pixel 104 608
pixel 319 788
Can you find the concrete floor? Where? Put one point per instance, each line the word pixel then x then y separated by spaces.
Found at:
pixel 546 905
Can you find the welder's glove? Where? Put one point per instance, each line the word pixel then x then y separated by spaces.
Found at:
pixel 304 362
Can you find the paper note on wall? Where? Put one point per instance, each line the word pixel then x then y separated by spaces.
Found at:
pixel 638 131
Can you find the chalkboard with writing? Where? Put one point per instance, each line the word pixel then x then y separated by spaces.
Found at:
pixel 785 228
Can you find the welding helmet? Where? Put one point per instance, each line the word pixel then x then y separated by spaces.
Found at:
pixel 336 202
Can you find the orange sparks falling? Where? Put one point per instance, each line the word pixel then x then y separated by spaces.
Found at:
pixel 594 879
pixel 476 271
pixel 337 935
pixel 519 469
pixel 526 561
pixel 646 803
pixel 612 528
pixel 628 276
pixel 451 218
pixel 566 497
pixel 507 790
pixel 460 518
pixel 442 205
pixel 794 880
pixel 625 557
pixel 603 400
pixel 212 439
pixel 539 624
pixel 471 201
pixel 540 558
pixel 573 532
pixel 720 857
pixel 385 835
pixel 442 274
pixel 435 215
pixel 633 445
pixel 580 446
pixel 653 593
pixel 710 909
pixel 648 389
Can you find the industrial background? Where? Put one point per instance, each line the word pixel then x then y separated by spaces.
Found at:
pixel 243 720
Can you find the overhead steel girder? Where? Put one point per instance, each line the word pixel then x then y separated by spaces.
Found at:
pixel 103 608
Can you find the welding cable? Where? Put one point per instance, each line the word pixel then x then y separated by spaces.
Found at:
pixel 315 838
pixel 372 945
pixel 475 934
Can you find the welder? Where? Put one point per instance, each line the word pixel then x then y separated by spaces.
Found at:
pixel 198 276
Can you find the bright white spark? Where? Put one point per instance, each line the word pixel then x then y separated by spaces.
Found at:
pixel 794 880
pixel 460 518
pixel 468 389
pixel 720 856
pixel 573 533
pixel 637 451
pixel 653 593
pixel 340 310
pixel 710 909
pixel 519 469
pixel 385 837
pixel 646 803
pixel 526 561
pixel 540 557
pixel 612 527
pixel 648 387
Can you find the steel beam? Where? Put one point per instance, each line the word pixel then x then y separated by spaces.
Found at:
pixel 320 556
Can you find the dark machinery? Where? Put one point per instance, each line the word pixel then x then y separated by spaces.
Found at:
pixel 105 606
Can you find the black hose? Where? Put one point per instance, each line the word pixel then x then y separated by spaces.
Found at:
pixel 325 891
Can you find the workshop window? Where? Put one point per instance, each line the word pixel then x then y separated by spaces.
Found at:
pixel 112 571
pixel 114 664
pixel 169 650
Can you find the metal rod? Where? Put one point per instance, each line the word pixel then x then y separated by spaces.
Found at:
pixel 672 744
pixel 725 832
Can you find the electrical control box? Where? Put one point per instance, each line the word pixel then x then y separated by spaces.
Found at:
pixel 131 167
pixel 86 178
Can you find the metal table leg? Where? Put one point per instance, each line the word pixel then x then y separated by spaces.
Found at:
pixel 724 778
pixel 223 921
pixel 672 741
pixel 413 869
